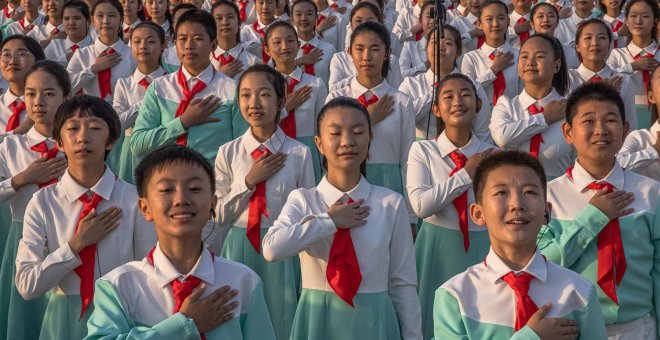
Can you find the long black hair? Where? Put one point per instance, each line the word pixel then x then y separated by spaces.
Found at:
pixel 560 80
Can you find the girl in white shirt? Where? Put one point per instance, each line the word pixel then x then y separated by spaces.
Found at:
pixel 391 111
pixel 253 35
pixel 32 20
pixel 282 12
pixel 97 67
pixel 75 19
pixel 158 12
pixel 147 45
pixel 593 44
pixel 532 121
pixel 254 175
pixel 330 19
pixel 413 55
pixel 230 57
pixel 53 29
pixel 545 18
pixel 617 20
pixel 640 56
pixel 133 16
pixel 494 63
pixel 353 240
pixel 440 174
pixel 305 93
pixel 473 37
pixel 641 149
pixel 420 87
pixel 347 29
pixel 29 162
pixel 314 54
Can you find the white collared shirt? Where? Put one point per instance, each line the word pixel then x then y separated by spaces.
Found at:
pixel 4 18
pixel 43 31
pixel 407 18
pixel 306 113
pixel 15 157
pixel 216 82
pixel 465 24
pixel 458 11
pixel 431 189
pixel 582 75
pixel 476 65
pixel 238 52
pixel 58 49
pixel 572 60
pixel 128 97
pixel 235 160
pixel 80 67
pixel 615 35
pixel 620 61
pixel 420 90
pixel 16 28
pixel 333 34
pixel 342 70
pixel 146 294
pixel 514 39
pixel 5 111
pixel 567 28
pixel 251 39
pixel 45 261
pixel 512 126
pixel 321 67
pixel 413 58
pixel 383 246
pixel 638 154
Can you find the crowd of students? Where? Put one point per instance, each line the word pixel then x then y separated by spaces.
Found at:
pixel 309 169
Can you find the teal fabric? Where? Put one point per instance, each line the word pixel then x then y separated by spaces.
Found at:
pixel 440 255
pixel 281 279
pixel 127 162
pixel 19 319
pixel 111 320
pixel 62 319
pixel 323 315
pixel 643 116
pixel 573 244
pixel 385 175
pixel 114 156
pixel 316 156
pixel 5 224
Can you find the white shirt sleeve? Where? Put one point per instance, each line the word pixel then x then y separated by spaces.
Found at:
pixel 508 131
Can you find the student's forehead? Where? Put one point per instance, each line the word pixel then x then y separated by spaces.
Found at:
pixel 191 27
pixel 503 176
pixel 343 116
pixel 597 107
pixel 179 171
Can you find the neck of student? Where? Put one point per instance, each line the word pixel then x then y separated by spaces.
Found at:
pixel 195 70
pixel 495 42
pixel 108 40
pixel 517 256
pixel 32 14
pixel 642 41
pixel 458 135
pixel 445 68
pixel 538 91
pixel 344 180
pixel 78 37
pixel 266 21
pixel 597 169
pixel 182 252
pixel 263 133
pixel 227 42
pixel 583 14
pixel 55 20
pixel 593 65
pixel 613 12
pixel 17 88
pixel 45 130
pixel 87 176
pixel 369 81
pixel 148 68
pixel 159 21
pixel 521 11
pixel 130 19
pixel 306 35
pixel 286 66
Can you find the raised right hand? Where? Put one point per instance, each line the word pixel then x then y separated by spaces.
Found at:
pixel 106 61
pixel 614 204
pixel 326 23
pixel 93 228
pixel 473 162
pixel 502 61
pixel 211 311
pixel 297 98
pixel 40 171
pixel 263 168
pixel 348 215
pixel 555 111
pixel 231 69
pixel 552 328
pixel 644 64
pixel 199 111
pixel 381 109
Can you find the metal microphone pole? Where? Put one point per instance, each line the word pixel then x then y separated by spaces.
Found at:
pixel 439 14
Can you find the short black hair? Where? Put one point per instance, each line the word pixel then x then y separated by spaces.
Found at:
pixel 87 106
pixel 601 91
pixel 201 17
pixel 165 156
pixel 30 44
pixel 182 6
pixel 503 158
pixel 56 70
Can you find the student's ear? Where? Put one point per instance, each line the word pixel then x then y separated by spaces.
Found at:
pixel 548 213
pixel 214 44
pixel 480 26
pixel 477 214
pixel 436 110
pixel 626 129
pixel 266 50
pixel 214 202
pixel 557 65
pixel 144 209
pixel 566 130
pixel 319 145
pixel 479 103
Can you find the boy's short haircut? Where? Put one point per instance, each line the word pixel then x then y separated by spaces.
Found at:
pixel 504 158
pixel 182 6
pixel 201 17
pixel 165 156
pixel 87 106
pixel 601 92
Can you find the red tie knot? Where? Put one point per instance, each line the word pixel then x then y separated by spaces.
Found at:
pixel 74 47
pixel 458 158
pixel 17 106
pixel 522 20
pixel 307 48
pixel 144 82
pixel 181 290
pixel 291 85
pixel 363 99
pixel 519 283
pixel 533 109
pixel 596 79
pixel 600 186
pixel 260 151
pixel 493 55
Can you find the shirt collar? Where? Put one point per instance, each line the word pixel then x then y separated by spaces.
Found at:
pixel 101 47
pixel 234 51
pixel 137 75
pixel 610 19
pixel 331 194
pixel 446 146
pixel 9 97
pixel 273 144
pixel 536 266
pixel 206 76
pixel 635 50
pixel 103 187
pixel 577 20
pixel 85 42
pixel 460 9
pixel 581 178
pixel 34 137
pixel 314 41
pixel 429 76
pixel 37 21
pixel 471 17
pixel 526 100
pixel 515 17
pixel 357 89
pixel 50 27
pixel 586 73
pixel 166 272
pixel 137 22
pixel 297 74
pixel 488 49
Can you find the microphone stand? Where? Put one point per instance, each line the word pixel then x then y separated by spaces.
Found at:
pixel 439 14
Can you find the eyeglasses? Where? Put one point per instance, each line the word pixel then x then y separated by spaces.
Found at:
pixel 19 55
